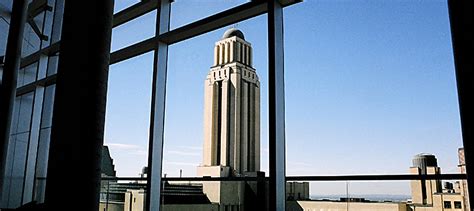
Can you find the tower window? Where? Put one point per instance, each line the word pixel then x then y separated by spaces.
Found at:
pixel 457 205
pixel 447 204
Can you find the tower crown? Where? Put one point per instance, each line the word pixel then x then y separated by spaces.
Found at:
pixel 233 48
pixel 233 32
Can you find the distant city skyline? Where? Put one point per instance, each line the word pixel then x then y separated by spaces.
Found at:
pixel 368 86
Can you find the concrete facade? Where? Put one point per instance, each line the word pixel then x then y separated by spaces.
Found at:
pixel 422 192
pixel 463 183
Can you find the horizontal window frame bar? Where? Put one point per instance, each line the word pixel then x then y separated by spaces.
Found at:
pixel 44 82
pixel 34 57
pixel 391 177
pixel 134 50
pixel 133 12
pixel 213 22
pixel 216 21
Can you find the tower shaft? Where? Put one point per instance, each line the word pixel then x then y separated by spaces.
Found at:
pixel 232 109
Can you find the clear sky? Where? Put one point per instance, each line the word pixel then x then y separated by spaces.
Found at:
pixel 369 84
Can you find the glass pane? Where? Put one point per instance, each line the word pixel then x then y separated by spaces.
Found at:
pixel 43 144
pixel 57 21
pixel 134 31
pixel 20 146
pixel 369 86
pixel 377 195
pixel 26 109
pixel 128 116
pixel 53 64
pixel 31 41
pixel 123 194
pixel 4 25
pixel 124 4
pixel 186 12
pixel 27 74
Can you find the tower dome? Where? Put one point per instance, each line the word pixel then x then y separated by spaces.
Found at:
pixel 233 32
pixel 424 160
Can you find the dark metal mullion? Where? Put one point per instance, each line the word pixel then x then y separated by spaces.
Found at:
pixel 49 50
pixel 134 11
pixel 133 50
pixel 460 15
pixel 378 177
pixel 9 79
pixel 390 177
pixel 276 109
pixel 31 87
pixel 157 119
pixel 219 20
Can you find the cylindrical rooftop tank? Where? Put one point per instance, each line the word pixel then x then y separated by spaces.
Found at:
pixel 424 160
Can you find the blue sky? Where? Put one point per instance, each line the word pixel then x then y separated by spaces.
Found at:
pixel 369 84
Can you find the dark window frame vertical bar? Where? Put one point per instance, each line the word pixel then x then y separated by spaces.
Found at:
pixel 155 151
pixel 9 79
pixel 276 93
pixel 460 15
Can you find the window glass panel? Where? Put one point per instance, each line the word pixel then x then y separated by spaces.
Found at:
pixel 43 144
pixel 20 78
pixel 42 67
pixel 4 27
pixel 124 4
pixel 53 64
pixel 58 21
pixel 48 106
pixel 363 93
pixel 128 115
pixel 42 164
pixel 186 12
pixel 18 169
pixel 31 41
pixel 365 195
pixel 26 108
pixel 30 73
pixel 134 31
pixel 15 115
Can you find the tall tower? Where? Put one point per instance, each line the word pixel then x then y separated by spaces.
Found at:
pixel 231 110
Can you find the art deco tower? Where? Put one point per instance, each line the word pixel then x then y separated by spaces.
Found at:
pixel 231 110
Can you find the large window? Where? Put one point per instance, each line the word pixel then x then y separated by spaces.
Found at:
pixel 218 105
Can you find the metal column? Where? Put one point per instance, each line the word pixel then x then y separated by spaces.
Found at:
pixel 9 78
pixel 155 153
pixel 79 110
pixel 460 14
pixel 276 110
